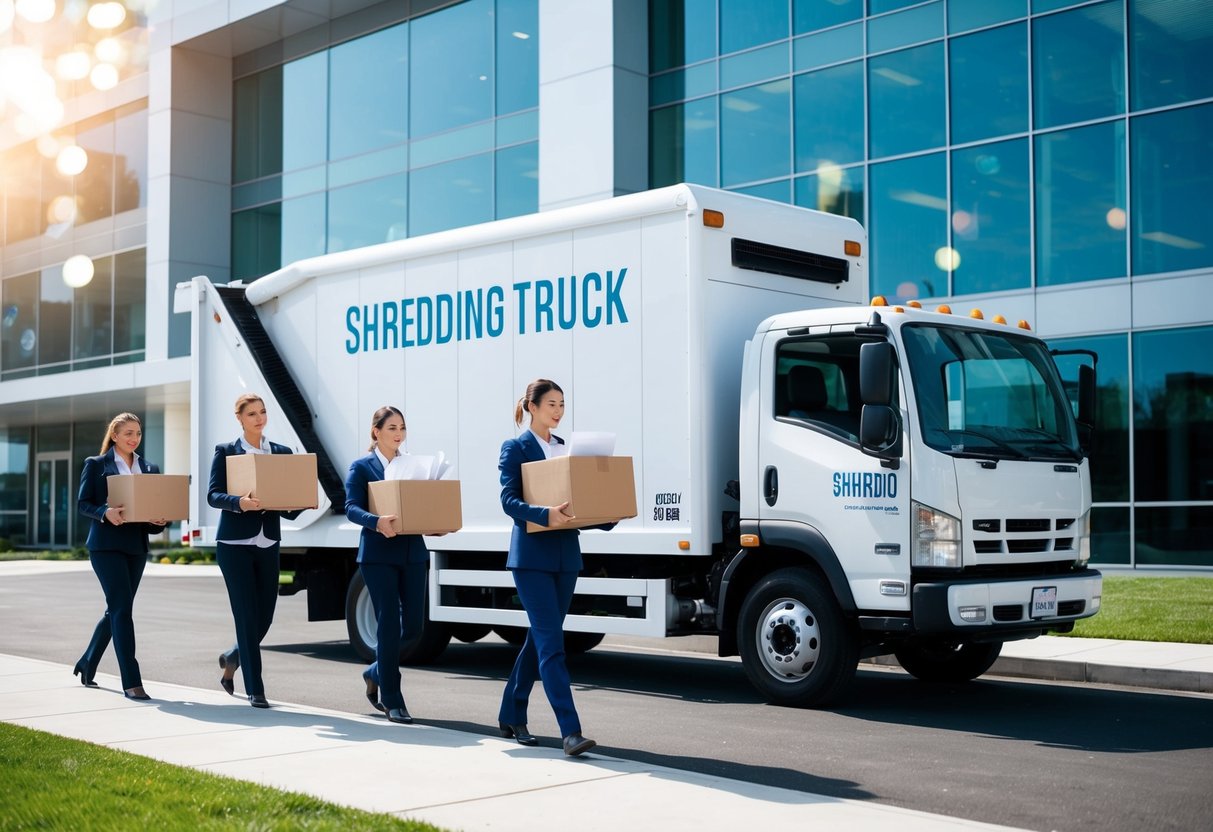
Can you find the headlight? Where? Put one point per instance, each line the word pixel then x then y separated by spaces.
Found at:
pixel 1084 540
pixel 935 538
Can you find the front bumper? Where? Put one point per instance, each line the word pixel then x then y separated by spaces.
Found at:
pixel 936 604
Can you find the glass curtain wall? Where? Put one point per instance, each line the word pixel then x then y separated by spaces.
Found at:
pixel 423 126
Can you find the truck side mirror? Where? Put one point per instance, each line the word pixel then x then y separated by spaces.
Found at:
pixel 877 373
pixel 880 431
pixel 1086 408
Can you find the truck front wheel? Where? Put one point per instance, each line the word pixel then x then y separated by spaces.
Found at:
pixel 796 645
pixel 945 661
pixel 360 625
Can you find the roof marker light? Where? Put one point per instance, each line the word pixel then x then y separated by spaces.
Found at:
pixel 944 310
pixel 1024 325
pixel 999 319
pixel 879 300
pixel 976 313
pixel 913 303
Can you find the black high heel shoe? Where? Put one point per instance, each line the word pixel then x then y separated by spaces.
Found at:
pixel 519 733
pixel 372 691
pixel 138 694
pixel 227 684
pixel 82 671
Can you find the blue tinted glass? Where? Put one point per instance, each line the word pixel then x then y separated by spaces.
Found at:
pixel 1078 64
pixel 1172 173
pixel 256 243
pixel 754 133
pixel 989 83
pixel 906 107
pixel 450 195
pixel 834 190
pixel 257 125
pixel 368 213
pixel 517 55
pixel 451 71
pixel 1172 421
pixel 303 227
pixel 1170 52
pixel 517 180
pixel 1042 6
pixel 681 84
pixel 1176 536
pixel 991 224
pixel 681 32
pixel 810 15
pixel 829 116
pixel 517 128
pixel 828 47
pixel 908 226
pixel 746 23
pixel 130 160
pixel 963 16
pixel 368 166
pixel 1110 538
pixel 1080 204
pixel 305 112
pixel 882 6
pixel 911 26
pixel 19 333
pixel 451 145
pixel 368 92
pixel 756 65
pixel 778 191
pixel 682 144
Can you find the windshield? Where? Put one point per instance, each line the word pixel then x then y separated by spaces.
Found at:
pixel 989 395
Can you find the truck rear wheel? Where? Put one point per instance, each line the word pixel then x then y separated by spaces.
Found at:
pixel 511 635
pixel 469 633
pixel 576 643
pixel 361 627
pixel 944 661
pixel 796 645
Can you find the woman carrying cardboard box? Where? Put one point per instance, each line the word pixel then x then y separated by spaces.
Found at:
pixel 393 566
pixel 117 551
pixel 247 552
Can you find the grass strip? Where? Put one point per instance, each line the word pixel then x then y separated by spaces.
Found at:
pixel 1153 609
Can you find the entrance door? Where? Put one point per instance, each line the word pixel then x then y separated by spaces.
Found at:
pixel 53 509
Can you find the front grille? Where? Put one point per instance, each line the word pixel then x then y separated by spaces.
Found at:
pixel 1063 544
pixel 1071 607
pixel 987 547
pixel 1033 525
pixel 1024 547
pixel 1008 612
pixel 1062 525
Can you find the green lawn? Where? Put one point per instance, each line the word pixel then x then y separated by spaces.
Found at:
pixel 1153 609
pixel 51 782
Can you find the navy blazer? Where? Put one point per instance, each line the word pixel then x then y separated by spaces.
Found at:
pixel 554 551
pixel 92 502
pixel 235 524
pixel 372 546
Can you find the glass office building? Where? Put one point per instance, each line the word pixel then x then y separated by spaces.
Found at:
pixel 1046 159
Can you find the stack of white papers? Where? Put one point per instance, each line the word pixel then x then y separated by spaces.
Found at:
pixel 591 443
pixel 419 467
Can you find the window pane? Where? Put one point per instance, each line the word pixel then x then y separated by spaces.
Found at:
pixel 1080 197
pixel 54 319
pixel 95 184
pixel 777 191
pixel 908 226
pixel 256 242
pixel 517 180
pixel 14 469
pixel 746 23
pixel 130 158
pixel 19 326
pixel 682 144
pixel 55 188
pixel 829 117
pixel 1170 52
pixel 1110 541
pixel 809 15
pixel 681 32
pixel 305 111
pixel 450 87
pixel 1078 64
pixel 1173 414
pixel 1110 453
pixel 303 228
pixel 22 187
pixel 912 26
pixel 245 106
pixel 450 195
pixel 964 16
pixel 130 302
pixel 1172 179
pixel 368 213
pixel 1174 536
pixel 368 96
pixel 517 55
pixel 92 310
pixel 906 106
pixel 828 47
pixel 754 133
pixel 834 190
pixel 682 84
pixel 991 218
pixel 753 66
pixel 989 83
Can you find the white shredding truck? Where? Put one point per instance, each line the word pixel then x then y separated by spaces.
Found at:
pixel 818 480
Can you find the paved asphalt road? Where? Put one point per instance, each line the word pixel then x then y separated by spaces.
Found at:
pixel 1042 756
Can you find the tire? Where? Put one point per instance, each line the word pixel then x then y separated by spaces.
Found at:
pixel 361 627
pixel 942 661
pixel 511 635
pixel 577 643
pixel 469 633
pixel 797 647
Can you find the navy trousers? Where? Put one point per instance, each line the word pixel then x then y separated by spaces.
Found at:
pixel 545 597
pixel 251 575
pixel 119 574
pixel 398 595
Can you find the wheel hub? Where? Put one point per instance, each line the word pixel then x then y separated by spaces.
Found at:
pixel 789 639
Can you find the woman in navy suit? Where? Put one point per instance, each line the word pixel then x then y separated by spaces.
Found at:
pixel 117 551
pixel 392 565
pixel 545 568
pixel 247 552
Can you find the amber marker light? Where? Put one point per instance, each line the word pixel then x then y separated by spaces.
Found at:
pixel 913 304
pixel 1024 325
pixel 684 545
pixel 944 310
pixel 852 248
pixel 879 300
pixel 976 313
pixel 899 309
pixel 999 319
pixel 749 541
pixel 713 219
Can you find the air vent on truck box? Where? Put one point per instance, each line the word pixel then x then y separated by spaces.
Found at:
pixel 790 262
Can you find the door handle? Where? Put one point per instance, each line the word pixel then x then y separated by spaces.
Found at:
pixel 770 485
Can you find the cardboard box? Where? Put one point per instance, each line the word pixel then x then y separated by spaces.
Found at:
pixel 282 482
pixel 420 506
pixel 147 497
pixel 599 489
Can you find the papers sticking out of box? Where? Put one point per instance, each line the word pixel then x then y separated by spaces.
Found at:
pixel 418 467
pixel 420 506
pixel 598 489
pixel 282 482
pixel 147 497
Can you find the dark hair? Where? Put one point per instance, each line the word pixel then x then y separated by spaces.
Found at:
pixel 116 423
pixel 535 391
pixel 380 419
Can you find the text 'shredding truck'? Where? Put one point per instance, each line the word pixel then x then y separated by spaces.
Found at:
pixel 818 480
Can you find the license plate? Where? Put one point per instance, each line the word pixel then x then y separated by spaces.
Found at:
pixel 1044 602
